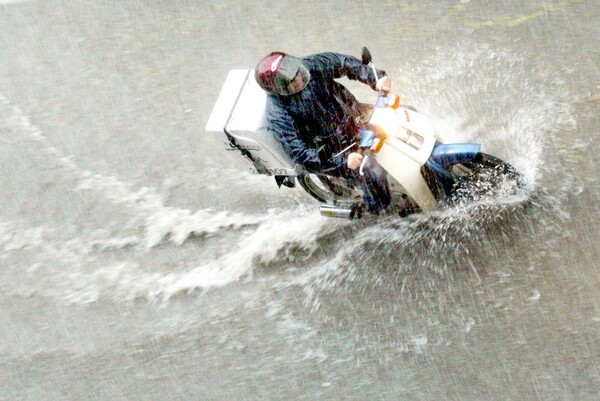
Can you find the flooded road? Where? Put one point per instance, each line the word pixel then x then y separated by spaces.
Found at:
pixel 140 260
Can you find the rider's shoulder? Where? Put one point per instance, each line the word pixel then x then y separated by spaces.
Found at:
pixel 273 102
pixel 321 58
pixel 275 107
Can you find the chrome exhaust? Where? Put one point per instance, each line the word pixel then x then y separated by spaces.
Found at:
pixel 345 211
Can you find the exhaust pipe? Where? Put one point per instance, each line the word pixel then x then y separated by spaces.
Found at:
pixel 349 211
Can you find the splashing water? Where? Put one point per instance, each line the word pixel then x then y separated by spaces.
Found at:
pixel 521 121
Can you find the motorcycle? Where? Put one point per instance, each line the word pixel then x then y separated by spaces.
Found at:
pixel 424 173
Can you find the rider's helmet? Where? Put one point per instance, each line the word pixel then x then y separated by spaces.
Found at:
pixel 281 73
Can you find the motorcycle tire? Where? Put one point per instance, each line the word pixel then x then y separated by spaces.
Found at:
pixel 325 188
pixel 483 176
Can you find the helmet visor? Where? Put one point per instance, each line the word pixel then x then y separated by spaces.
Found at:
pixel 291 76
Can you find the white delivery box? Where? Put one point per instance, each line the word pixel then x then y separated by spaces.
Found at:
pixel 239 114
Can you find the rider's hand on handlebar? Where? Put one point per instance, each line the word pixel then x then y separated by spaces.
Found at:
pixel 384 84
pixel 354 160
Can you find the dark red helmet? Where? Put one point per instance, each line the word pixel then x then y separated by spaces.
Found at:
pixel 276 72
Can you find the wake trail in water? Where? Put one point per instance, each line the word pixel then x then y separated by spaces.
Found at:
pixel 160 221
pixel 76 270
pixel 67 263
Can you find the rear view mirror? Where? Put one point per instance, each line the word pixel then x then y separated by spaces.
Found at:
pixel 366 56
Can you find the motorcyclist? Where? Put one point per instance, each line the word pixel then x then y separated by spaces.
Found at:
pixel 315 117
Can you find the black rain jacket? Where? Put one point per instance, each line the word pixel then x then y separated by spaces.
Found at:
pixel 313 125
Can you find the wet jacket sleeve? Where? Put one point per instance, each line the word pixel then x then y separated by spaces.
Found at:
pixel 285 132
pixel 340 65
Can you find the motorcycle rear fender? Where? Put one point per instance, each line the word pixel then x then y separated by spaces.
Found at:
pixel 453 153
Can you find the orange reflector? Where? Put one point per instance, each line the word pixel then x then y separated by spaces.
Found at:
pixel 394 101
pixel 377 144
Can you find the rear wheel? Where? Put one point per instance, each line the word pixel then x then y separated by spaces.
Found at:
pixel 326 188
